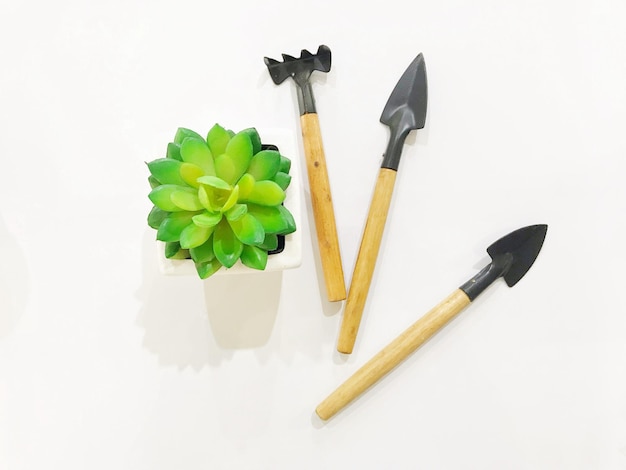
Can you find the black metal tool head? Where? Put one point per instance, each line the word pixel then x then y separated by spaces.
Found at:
pixel 300 69
pixel 523 247
pixel 405 109
pixel 304 65
pixel 512 256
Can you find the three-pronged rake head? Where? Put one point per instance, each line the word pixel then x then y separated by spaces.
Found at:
pixel 299 67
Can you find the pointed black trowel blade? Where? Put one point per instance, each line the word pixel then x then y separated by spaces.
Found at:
pixel 512 256
pixel 405 109
pixel 523 245
pixel 408 100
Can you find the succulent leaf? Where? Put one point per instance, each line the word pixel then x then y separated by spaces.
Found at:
pixel 232 199
pixel 187 199
pixel 171 248
pixel 196 151
pixel 240 146
pixel 174 251
pixel 190 173
pixel 171 228
pixel 282 179
pixel 266 193
pixel 205 200
pixel 264 165
pixel 246 183
pixel 248 229
pixel 155 217
pixel 269 217
pixel 203 253
pixel 226 245
pixel 207 219
pixel 288 218
pixel 255 138
pixel 270 243
pixel 166 171
pixel 153 182
pixel 182 254
pixel 194 235
pixel 225 168
pixel 183 133
pixel 236 211
pixel 161 197
pixel 207 269
pixel 254 257
pixel 218 139
pixel 173 151
pixel 285 164
pixel 232 164
pixel 214 182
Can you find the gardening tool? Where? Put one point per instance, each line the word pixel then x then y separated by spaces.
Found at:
pixel 512 256
pixel 300 69
pixel 405 110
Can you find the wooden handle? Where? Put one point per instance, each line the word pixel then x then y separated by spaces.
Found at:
pixel 323 212
pixel 366 260
pixel 394 353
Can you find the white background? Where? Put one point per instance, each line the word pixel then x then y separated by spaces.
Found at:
pixel 107 364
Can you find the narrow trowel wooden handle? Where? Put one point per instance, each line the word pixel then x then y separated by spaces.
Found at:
pixel 394 353
pixel 366 260
pixel 323 211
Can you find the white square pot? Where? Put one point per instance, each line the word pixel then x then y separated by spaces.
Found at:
pixel 291 256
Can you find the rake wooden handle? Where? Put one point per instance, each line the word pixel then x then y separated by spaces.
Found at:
pixel 394 353
pixel 366 260
pixel 323 211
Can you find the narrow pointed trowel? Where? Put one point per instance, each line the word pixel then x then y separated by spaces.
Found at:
pixel 405 111
pixel 512 256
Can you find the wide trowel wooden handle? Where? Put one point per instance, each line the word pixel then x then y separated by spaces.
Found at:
pixel 323 212
pixel 394 353
pixel 366 260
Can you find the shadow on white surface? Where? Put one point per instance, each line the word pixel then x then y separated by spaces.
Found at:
pixel 14 282
pixel 190 322
pixel 242 309
pixel 174 322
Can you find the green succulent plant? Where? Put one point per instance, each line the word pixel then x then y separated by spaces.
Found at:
pixel 218 200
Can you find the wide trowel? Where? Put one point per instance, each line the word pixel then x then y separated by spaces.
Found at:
pixel 512 256
pixel 405 111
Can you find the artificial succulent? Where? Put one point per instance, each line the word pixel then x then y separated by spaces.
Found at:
pixel 218 200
